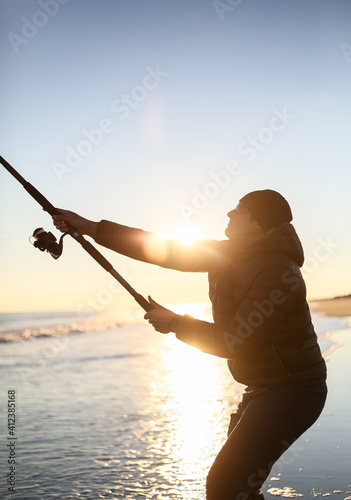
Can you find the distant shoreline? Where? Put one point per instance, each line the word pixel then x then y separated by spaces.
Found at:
pixel 338 306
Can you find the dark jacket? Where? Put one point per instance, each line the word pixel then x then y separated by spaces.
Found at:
pixel 262 322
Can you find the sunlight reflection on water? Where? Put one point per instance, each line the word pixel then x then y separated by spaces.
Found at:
pixel 119 414
pixel 124 413
pixel 199 400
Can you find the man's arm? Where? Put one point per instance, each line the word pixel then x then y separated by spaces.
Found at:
pixel 153 248
pixel 137 244
pixel 264 308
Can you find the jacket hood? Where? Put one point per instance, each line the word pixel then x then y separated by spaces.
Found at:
pixel 282 239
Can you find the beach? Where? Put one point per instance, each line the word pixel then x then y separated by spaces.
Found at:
pixel 339 306
pixel 123 412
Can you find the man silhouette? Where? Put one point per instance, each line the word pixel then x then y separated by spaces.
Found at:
pixel 262 325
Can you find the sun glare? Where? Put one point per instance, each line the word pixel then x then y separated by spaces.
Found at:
pixel 199 402
pixel 186 234
pixel 199 310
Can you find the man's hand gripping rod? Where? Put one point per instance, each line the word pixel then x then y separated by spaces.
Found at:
pixel 78 237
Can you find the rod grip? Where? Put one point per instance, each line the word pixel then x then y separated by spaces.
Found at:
pixel 143 302
pixel 48 207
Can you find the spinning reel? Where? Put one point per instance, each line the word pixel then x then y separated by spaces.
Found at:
pixel 48 242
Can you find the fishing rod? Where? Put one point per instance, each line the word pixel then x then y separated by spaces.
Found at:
pixel 47 241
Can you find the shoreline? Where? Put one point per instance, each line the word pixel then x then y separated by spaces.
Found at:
pixel 143 388
pixel 332 307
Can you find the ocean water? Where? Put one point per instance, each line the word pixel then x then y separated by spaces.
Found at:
pixel 108 411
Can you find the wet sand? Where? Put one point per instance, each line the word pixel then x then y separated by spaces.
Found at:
pixel 122 414
pixel 318 465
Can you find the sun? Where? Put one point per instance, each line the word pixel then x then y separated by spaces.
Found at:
pixel 186 234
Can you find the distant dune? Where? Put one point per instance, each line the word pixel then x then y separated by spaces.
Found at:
pixel 337 306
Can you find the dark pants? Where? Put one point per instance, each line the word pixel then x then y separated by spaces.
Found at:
pixel 266 423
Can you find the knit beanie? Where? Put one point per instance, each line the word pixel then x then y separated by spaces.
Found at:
pixel 269 208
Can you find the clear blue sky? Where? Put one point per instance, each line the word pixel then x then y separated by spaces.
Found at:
pixel 160 113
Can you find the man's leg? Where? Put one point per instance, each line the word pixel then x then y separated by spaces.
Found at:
pixel 270 421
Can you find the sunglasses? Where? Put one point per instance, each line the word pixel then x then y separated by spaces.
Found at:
pixel 241 209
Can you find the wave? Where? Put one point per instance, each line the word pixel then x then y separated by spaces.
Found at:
pixel 20 327
pixel 77 361
pixel 60 326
